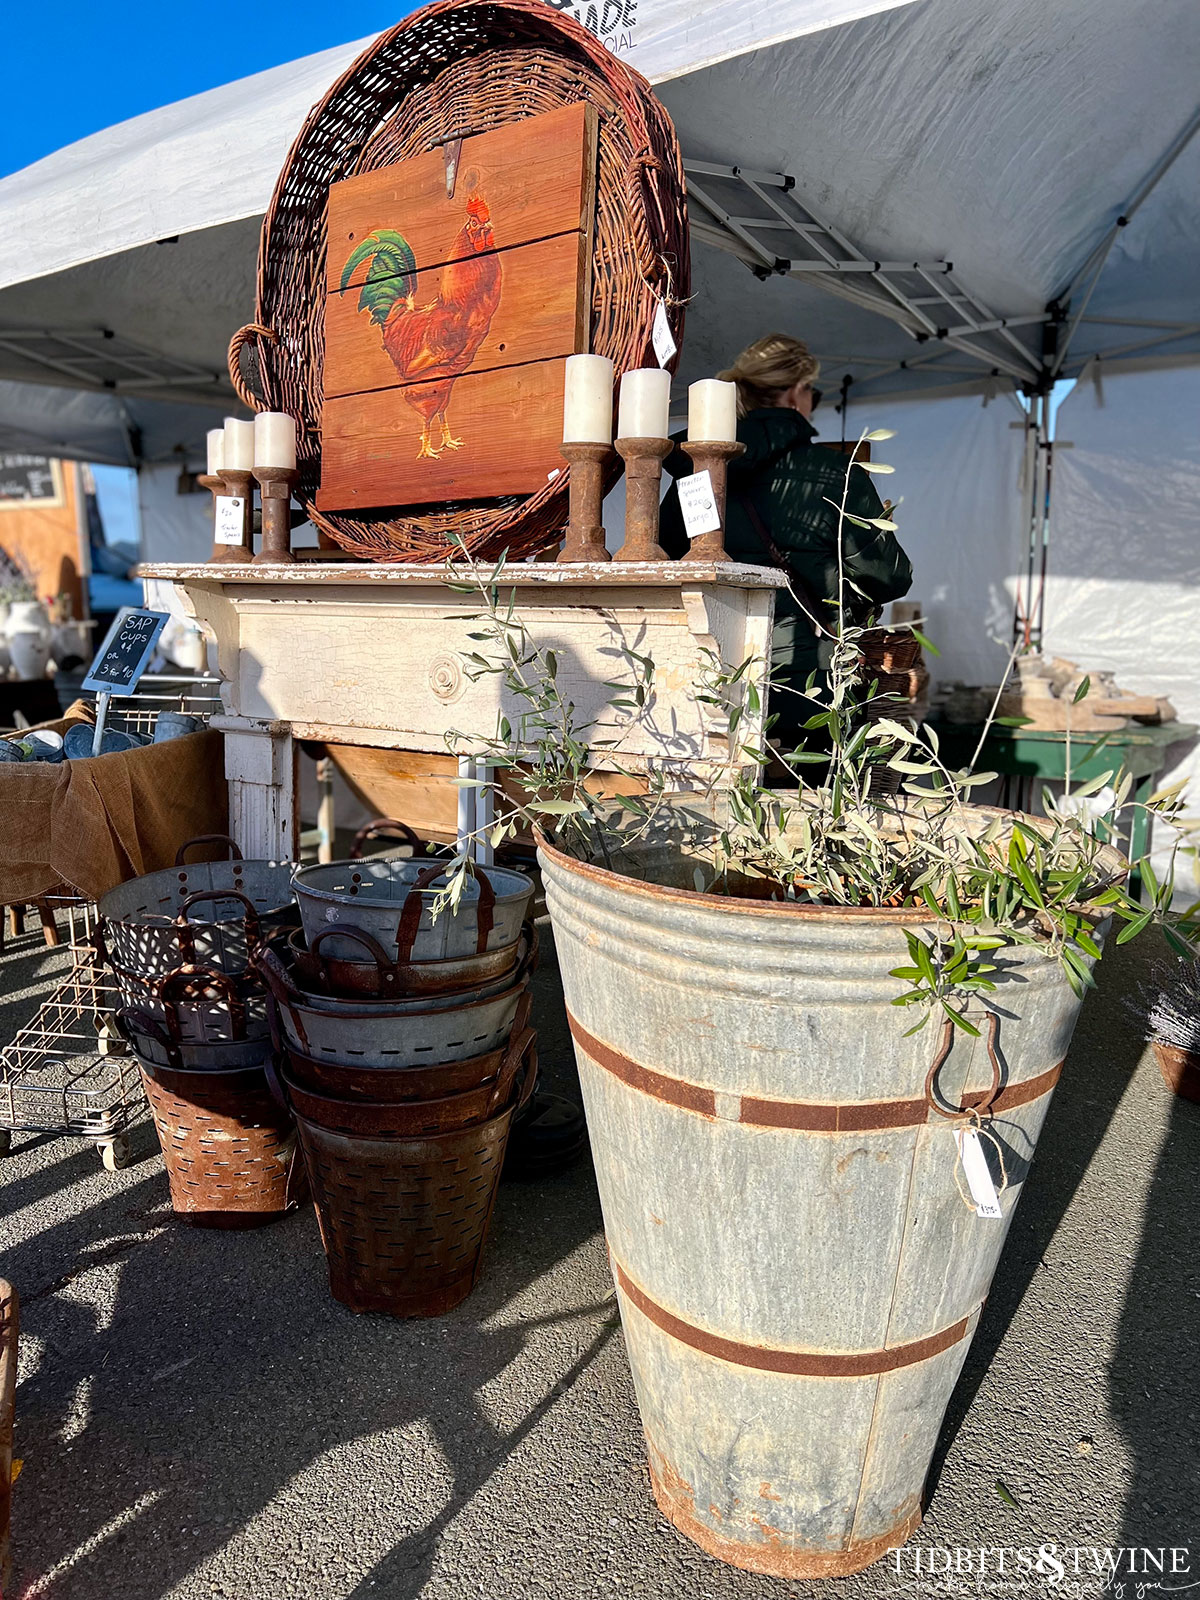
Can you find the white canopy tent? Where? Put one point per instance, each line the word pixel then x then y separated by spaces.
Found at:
pixel 952 200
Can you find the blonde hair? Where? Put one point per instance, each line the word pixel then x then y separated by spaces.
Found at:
pixel 768 368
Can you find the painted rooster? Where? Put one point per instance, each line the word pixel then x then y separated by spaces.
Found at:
pixel 431 345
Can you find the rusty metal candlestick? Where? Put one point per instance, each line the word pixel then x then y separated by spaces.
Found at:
pixel 218 484
pixel 712 456
pixel 240 484
pixel 585 531
pixel 276 485
pixel 643 473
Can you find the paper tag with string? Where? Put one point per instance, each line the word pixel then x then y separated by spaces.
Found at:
pixel 977 1173
pixel 662 337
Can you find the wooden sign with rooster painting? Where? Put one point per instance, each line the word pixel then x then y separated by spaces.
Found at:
pixel 455 290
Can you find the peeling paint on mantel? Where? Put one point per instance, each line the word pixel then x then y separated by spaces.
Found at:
pixel 534 574
pixel 359 653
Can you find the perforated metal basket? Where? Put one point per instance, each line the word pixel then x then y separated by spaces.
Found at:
pixel 208 913
pixel 393 901
pixel 390 1037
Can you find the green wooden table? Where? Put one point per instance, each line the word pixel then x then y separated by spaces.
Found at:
pixel 1025 757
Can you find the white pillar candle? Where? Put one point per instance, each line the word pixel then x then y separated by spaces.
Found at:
pixel 712 411
pixel 645 403
pixel 275 440
pixel 587 400
pixel 216 450
pixel 239 446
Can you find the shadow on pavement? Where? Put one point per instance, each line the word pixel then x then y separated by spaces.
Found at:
pixel 158 1423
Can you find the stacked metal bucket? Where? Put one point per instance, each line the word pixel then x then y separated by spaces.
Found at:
pixel 325 1020
pixel 404 1051
pixel 181 943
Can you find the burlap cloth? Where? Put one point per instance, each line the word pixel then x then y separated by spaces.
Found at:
pixel 94 823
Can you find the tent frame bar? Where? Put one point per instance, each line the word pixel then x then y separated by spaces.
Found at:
pixel 1096 261
pixel 963 320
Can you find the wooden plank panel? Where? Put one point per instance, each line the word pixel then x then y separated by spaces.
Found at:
pixel 536 177
pixel 542 312
pixel 506 427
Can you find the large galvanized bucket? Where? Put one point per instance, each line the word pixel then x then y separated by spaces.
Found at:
pixel 799 1273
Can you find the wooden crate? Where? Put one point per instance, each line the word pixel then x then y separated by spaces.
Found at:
pixel 449 316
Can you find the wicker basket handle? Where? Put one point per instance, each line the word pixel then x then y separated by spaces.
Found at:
pixel 640 182
pixel 410 917
pixel 252 330
pixel 382 825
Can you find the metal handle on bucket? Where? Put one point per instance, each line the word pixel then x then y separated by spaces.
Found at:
pixel 204 978
pixel 281 993
pixel 381 825
pixel 235 853
pixel 131 1019
pixel 385 968
pixel 521 1050
pixel 983 1104
pixel 410 917
pixel 187 937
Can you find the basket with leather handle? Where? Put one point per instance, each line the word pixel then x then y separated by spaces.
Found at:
pixel 451 70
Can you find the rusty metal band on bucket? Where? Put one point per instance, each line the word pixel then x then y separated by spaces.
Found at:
pixel 790 1363
pixel 816 1116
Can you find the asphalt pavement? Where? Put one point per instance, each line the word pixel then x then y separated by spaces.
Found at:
pixel 198 1420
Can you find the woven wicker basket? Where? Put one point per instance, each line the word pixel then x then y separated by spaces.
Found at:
pixel 455 69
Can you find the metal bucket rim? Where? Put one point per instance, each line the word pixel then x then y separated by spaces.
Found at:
pixel 302 883
pixel 377 1010
pixel 175 878
pixel 909 916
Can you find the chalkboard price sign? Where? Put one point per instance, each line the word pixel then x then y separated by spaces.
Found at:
pixel 126 652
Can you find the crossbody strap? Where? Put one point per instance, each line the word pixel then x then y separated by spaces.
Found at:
pixel 799 588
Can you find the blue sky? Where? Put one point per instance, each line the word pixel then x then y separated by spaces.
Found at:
pixel 73 68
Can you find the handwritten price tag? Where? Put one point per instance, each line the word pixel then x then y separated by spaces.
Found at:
pixel 698 504
pixel 662 338
pixel 978 1175
pixel 229 519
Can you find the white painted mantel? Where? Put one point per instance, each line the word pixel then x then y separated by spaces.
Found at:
pixel 351 653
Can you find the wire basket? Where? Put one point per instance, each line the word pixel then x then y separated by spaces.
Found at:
pixel 454 70
pixel 69 1070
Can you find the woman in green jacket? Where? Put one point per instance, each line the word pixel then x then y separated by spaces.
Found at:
pixel 778 514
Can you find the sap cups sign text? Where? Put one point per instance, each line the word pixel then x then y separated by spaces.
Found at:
pixel 612 21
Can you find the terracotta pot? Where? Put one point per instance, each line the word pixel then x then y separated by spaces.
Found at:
pixel 1180 1070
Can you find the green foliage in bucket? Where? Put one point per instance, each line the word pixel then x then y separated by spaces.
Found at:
pixel 876 817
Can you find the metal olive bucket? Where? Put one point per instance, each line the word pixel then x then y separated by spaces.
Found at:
pixel 393 901
pixel 798 1271
pixel 397 1034
pixel 201 1006
pixel 152 924
pixel 210 1034
pixel 377 978
pixel 396 1119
